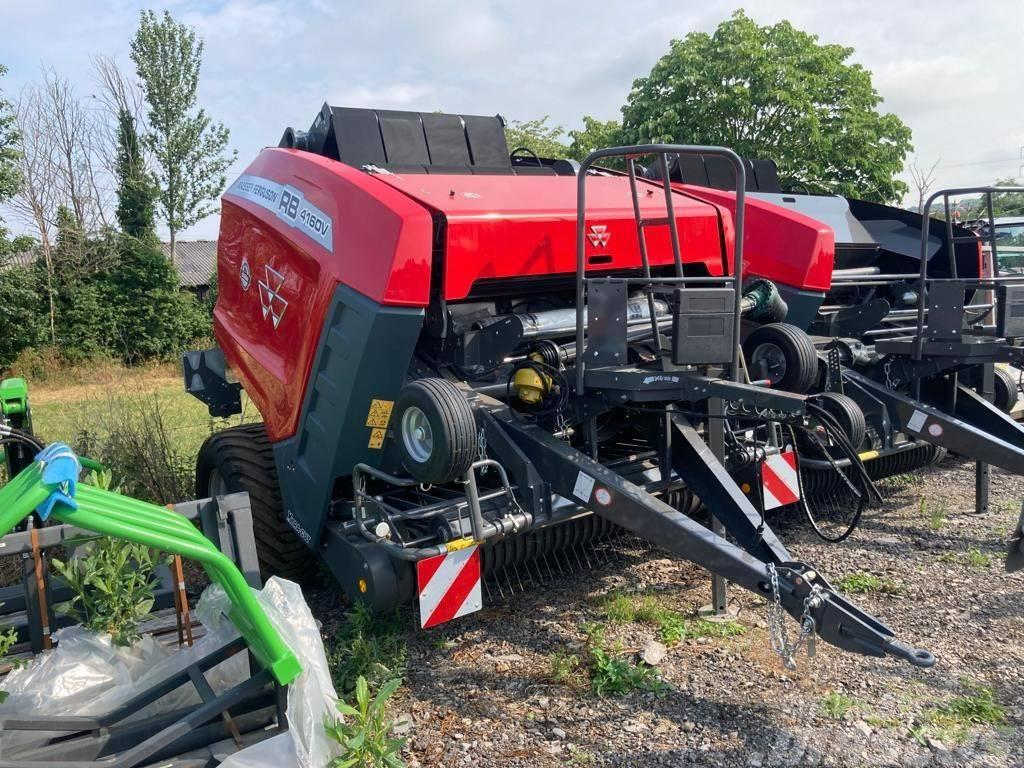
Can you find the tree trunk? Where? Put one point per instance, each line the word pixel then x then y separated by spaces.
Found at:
pixel 174 240
pixel 44 242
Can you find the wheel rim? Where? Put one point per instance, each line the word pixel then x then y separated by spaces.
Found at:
pixel 417 437
pixel 771 359
pixel 217 485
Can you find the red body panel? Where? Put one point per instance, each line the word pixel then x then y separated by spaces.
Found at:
pixel 782 245
pixel 381 240
pixel 520 226
pixel 381 247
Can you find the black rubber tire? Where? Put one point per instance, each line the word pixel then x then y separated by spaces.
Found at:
pixel 452 425
pixel 797 349
pixel 245 460
pixel 845 410
pixel 1006 393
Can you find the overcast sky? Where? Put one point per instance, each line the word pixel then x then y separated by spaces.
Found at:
pixel 950 70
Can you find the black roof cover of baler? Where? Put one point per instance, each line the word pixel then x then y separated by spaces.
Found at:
pixel 411 142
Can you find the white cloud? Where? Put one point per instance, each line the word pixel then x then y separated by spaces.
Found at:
pixel 950 71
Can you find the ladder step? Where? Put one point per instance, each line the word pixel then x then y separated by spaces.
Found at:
pixel 661 222
pixel 973 238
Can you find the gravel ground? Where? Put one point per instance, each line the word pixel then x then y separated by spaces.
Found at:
pixel 479 691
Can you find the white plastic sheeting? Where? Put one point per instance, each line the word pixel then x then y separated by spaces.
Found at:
pixel 311 698
pixel 87 675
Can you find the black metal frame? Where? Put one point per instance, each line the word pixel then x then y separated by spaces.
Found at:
pixel 955 283
pixel 630 153
pixel 112 741
pixel 802 591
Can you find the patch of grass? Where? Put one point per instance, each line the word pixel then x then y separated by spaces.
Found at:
pixel 978 559
pixel 618 608
pixel 878 721
pixel 952 720
pixel 717 629
pixel 579 756
pixel 566 669
pixel 370 646
pixel 138 421
pixel 672 626
pixel 936 515
pixel 975 558
pixel 836 705
pixel 861 583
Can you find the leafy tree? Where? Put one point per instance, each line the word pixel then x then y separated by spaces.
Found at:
pixel 774 92
pixel 153 319
pixel 536 135
pixel 1008 203
pixel 136 192
pixel 10 178
pixel 22 313
pixel 189 149
pixel 597 134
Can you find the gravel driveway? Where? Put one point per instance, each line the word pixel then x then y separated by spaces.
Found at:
pixel 484 691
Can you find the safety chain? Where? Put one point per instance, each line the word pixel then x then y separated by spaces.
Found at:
pixel 777 633
pixel 889 383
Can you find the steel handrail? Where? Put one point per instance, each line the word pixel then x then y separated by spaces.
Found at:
pixel 631 152
pixel 922 277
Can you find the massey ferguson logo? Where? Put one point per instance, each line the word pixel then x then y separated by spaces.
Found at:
pixel 272 302
pixel 599 235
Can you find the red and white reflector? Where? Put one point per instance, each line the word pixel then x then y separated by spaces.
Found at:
pixel 779 480
pixel 449 586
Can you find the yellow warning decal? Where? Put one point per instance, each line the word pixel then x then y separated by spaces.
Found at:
pixel 457 544
pixel 867 455
pixel 380 413
pixel 377 437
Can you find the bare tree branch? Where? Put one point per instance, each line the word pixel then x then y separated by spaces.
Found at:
pixel 923 181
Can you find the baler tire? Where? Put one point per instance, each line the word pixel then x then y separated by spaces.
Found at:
pixel 452 427
pixel 244 458
pixel 847 413
pixel 1006 393
pixel 797 349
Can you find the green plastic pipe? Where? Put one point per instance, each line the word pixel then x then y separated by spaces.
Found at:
pixel 110 514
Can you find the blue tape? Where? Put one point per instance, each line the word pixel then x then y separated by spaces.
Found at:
pixel 60 472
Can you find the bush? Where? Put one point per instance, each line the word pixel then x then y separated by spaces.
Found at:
pixel 113 587
pixel 135 441
pixel 22 313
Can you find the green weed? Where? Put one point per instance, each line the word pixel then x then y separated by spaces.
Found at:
pixel 368 646
pixel 610 674
pixel 836 705
pixel 565 668
pixel 363 733
pixel 936 515
pixel 978 559
pixel 7 641
pixel 867 583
